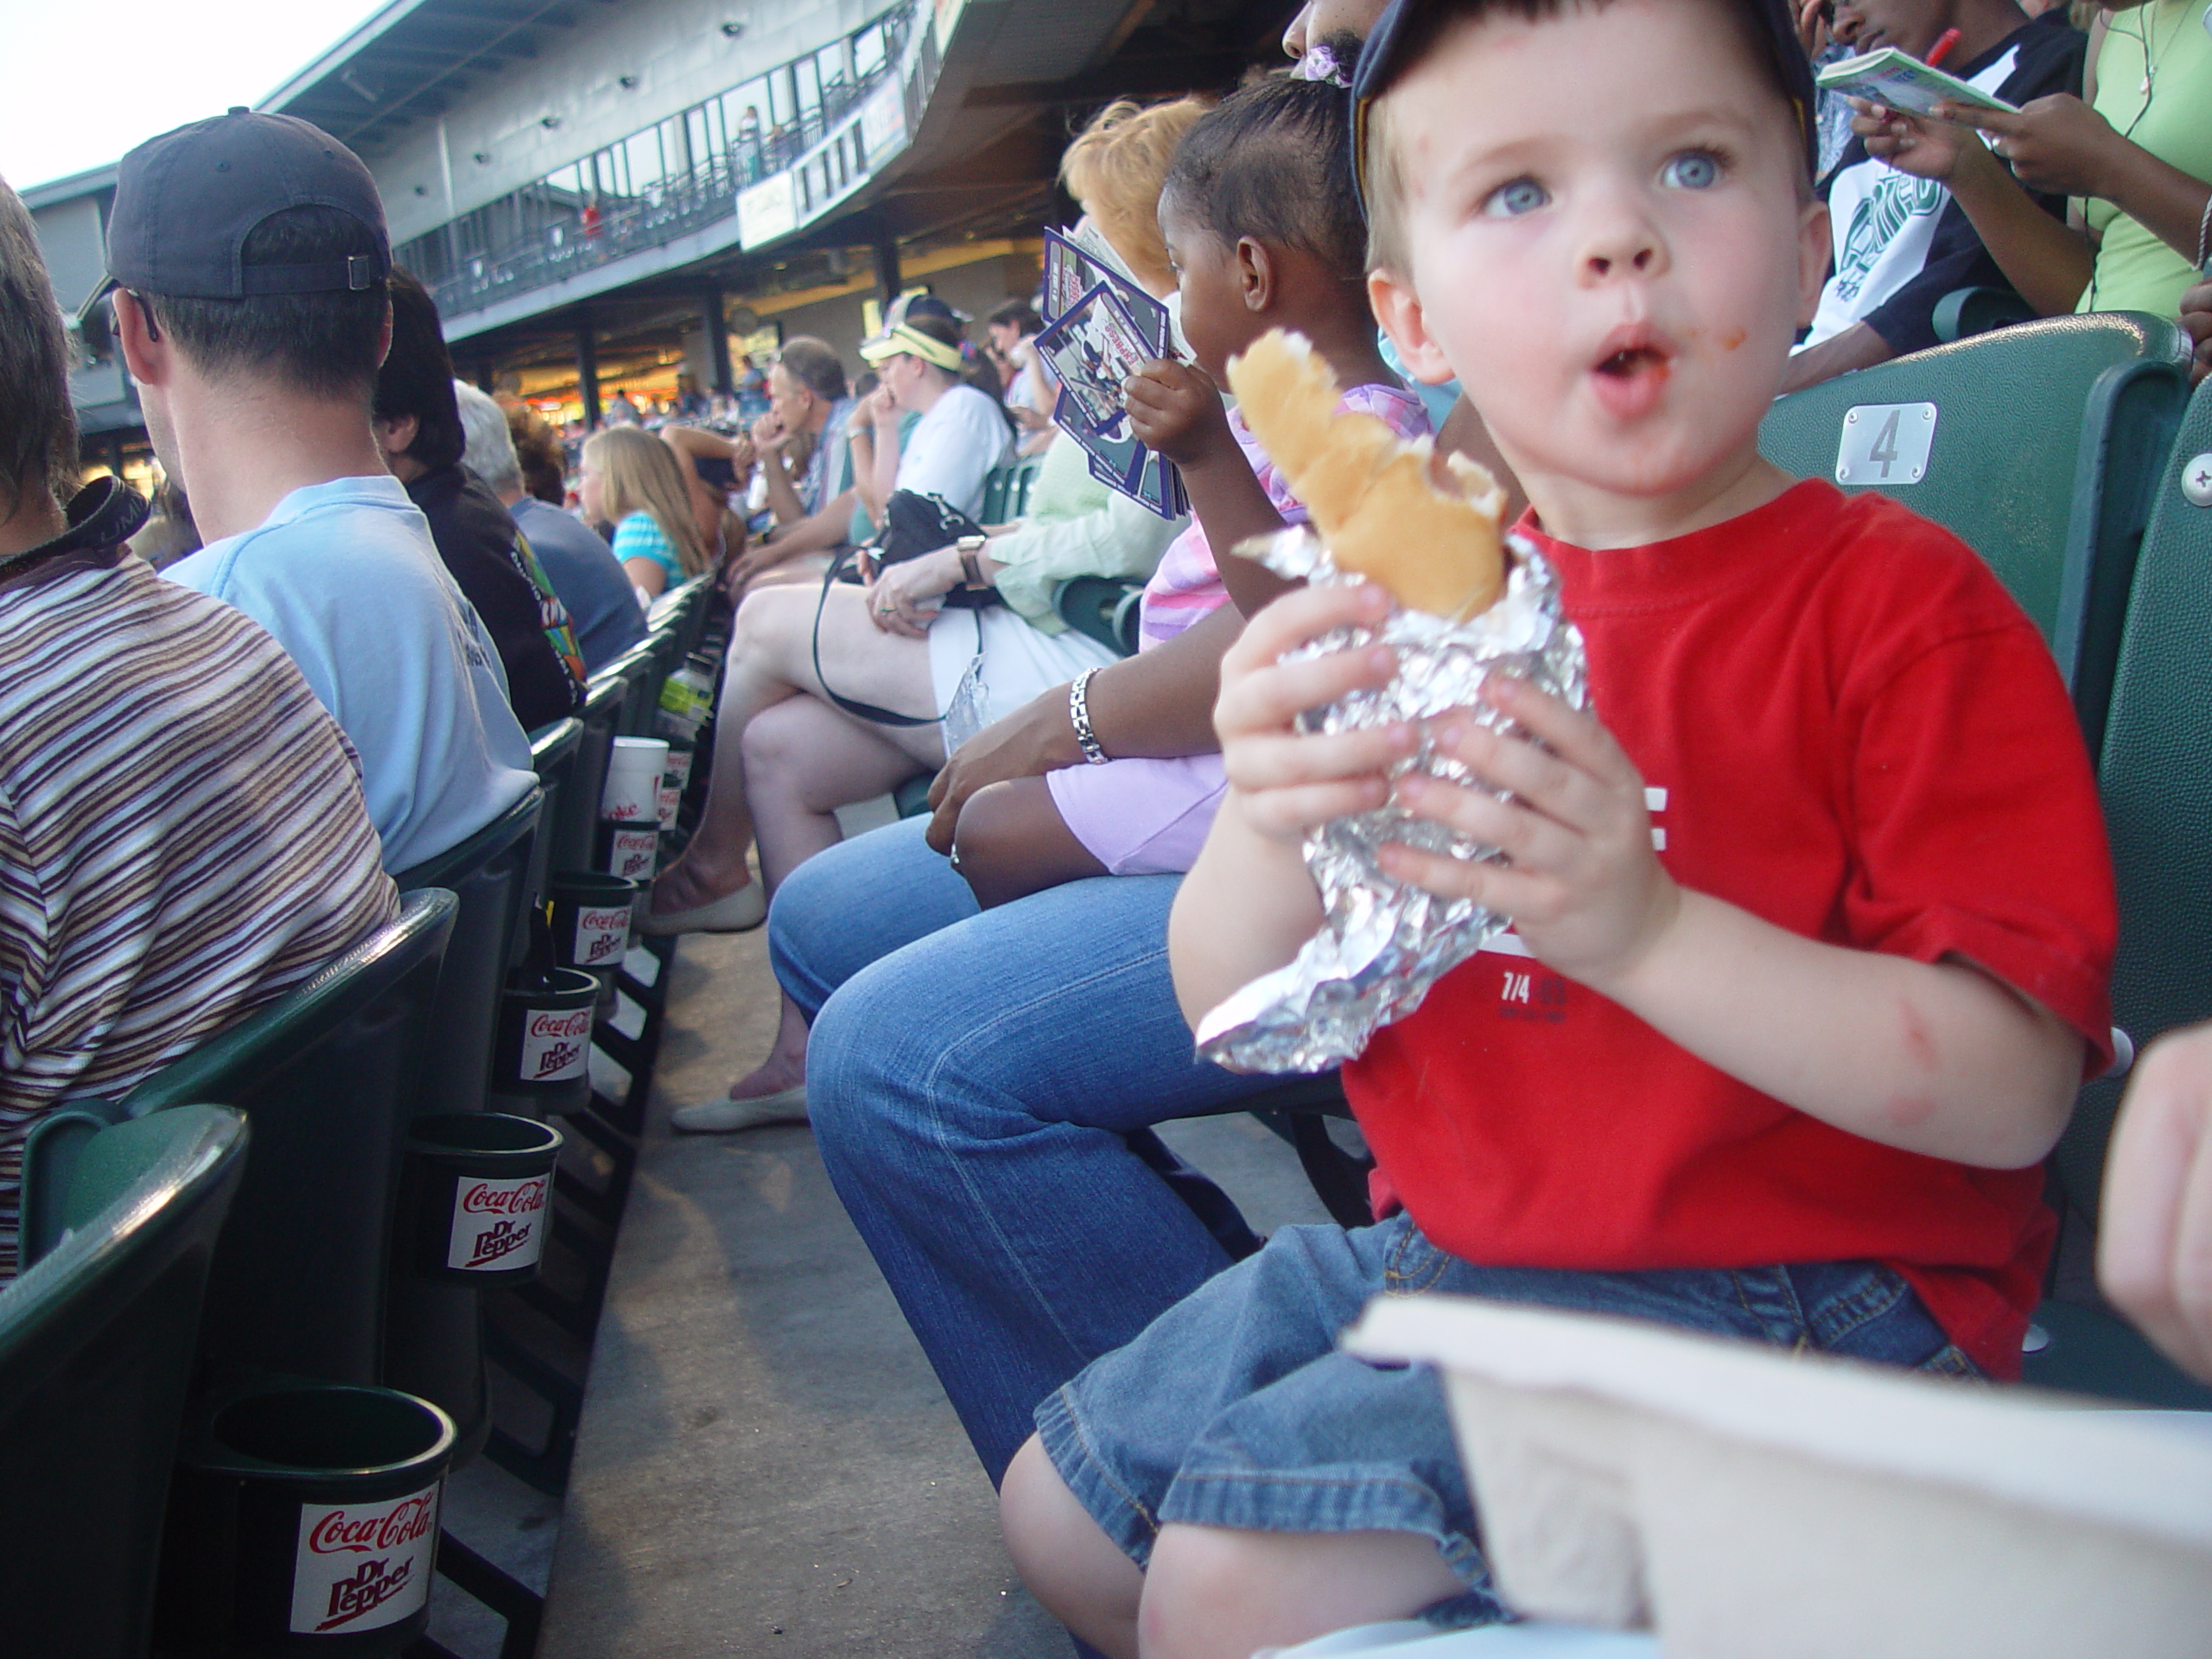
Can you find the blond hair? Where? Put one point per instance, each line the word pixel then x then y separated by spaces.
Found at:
pixel 1115 168
pixel 639 474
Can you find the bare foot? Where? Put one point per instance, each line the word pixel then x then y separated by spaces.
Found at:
pixel 682 887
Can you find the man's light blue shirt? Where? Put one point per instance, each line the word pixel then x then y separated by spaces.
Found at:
pixel 347 578
pixel 1437 400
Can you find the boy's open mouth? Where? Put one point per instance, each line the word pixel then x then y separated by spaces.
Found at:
pixel 1629 375
pixel 1632 360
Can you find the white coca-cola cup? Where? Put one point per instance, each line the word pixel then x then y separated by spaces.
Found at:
pixel 631 794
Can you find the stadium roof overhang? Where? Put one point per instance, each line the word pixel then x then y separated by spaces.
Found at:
pixel 1018 77
pixel 414 60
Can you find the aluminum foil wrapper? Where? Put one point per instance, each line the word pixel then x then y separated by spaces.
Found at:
pixel 1382 943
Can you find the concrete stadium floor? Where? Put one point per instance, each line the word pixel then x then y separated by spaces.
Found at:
pixel 766 1464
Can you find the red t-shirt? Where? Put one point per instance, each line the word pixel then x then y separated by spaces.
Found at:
pixel 1846 727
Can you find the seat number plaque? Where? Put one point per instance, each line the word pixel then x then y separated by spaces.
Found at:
pixel 1885 444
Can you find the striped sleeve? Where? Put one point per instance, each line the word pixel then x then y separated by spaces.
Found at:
pixel 183 836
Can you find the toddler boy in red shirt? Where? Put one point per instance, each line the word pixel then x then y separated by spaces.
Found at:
pixel 1812 912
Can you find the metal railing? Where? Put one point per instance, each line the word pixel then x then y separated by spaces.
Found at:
pixel 824 150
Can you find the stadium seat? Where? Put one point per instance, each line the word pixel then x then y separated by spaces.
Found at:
pixel 96 1346
pixel 1006 491
pixel 327 1076
pixel 1104 608
pixel 912 796
pixel 571 832
pixel 1965 312
pixel 2155 774
pixel 2037 445
pixel 433 1332
pixel 489 873
pixel 554 752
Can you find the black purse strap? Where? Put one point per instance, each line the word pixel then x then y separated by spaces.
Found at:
pixel 854 706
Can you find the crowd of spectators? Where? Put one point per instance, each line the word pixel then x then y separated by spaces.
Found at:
pixel 372 584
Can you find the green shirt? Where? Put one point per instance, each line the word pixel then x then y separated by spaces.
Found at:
pixel 1074 527
pixel 2135 270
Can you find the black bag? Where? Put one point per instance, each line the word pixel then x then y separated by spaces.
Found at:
pixel 912 525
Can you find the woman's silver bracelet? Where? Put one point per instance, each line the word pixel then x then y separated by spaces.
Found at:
pixel 1079 717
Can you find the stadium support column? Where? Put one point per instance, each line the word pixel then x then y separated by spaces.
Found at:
pixel 710 304
pixel 588 368
pixel 888 280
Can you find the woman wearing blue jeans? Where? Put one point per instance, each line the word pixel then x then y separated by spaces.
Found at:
pixel 983 1085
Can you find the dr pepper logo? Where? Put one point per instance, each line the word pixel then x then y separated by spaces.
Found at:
pixel 360 1567
pixel 373 1585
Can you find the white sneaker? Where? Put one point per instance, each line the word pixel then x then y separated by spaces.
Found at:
pixel 722 1115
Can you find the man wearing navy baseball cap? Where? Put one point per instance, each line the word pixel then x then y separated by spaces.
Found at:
pixel 249 259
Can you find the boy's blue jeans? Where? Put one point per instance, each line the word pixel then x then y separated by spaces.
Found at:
pixel 981 1085
pixel 1236 1408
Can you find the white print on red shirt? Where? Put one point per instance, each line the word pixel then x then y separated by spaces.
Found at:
pixel 1534 992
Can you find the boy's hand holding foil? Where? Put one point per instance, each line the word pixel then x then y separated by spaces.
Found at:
pixel 1348 723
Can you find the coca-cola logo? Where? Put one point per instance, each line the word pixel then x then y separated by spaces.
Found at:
pixel 623 812
pixel 557 1022
pixel 484 1199
pixel 403 1523
pixel 502 1239
pixel 374 1584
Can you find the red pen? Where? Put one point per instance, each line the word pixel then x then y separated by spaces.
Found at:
pixel 1942 49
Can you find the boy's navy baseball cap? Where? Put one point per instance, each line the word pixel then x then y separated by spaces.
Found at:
pixel 1383 60
pixel 186 202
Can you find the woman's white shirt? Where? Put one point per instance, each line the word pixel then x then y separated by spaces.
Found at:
pixel 953 447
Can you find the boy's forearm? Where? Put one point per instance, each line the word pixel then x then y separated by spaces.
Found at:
pixel 1244 910
pixel 1931 1058
pixel 2046 261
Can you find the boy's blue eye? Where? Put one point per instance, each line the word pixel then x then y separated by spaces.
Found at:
pixel 1517 197
pixel 1695 169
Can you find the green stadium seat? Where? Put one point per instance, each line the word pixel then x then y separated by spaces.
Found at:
pixel 2155 774
pixel 912 796
pixel 433 1333
pixel 554 751
pixel 1006 489
pixel 572 832
pixel 328 1075
pixel 2038 445
pixel 1965 312
pixel 1104 608
pixel 1023 485
pixel 489 873
pixel 96 1347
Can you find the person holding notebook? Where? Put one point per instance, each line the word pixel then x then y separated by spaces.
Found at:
pixel 1901 242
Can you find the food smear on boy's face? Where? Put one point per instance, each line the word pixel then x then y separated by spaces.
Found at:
pixel 1603 226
